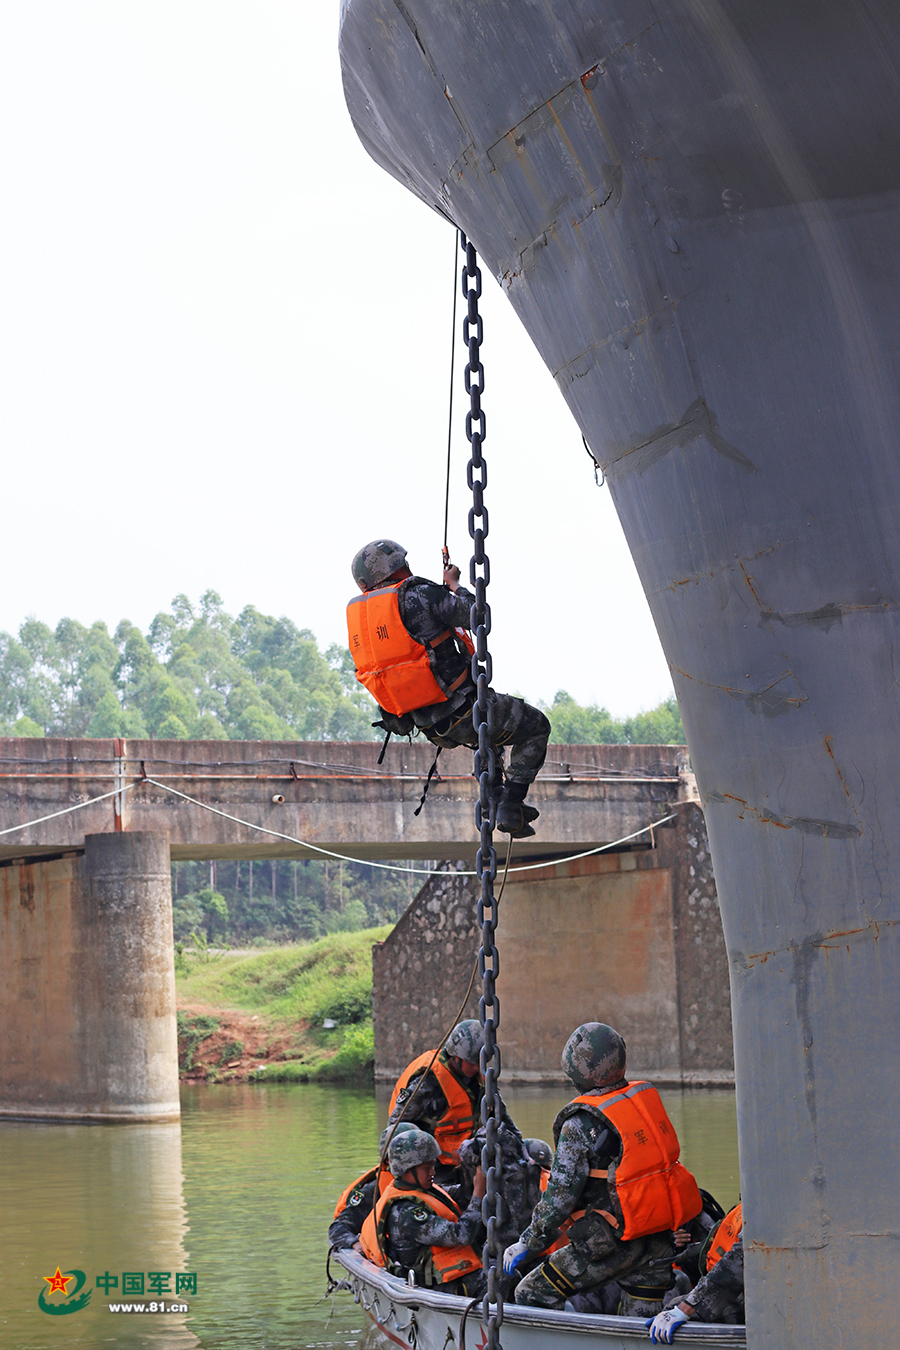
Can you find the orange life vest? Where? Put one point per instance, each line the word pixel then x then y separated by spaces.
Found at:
pixel 725 1236
pixel 383 1182
pixel 655 1191
pixel 449 1263
pixel 396 669
pixel 458 1122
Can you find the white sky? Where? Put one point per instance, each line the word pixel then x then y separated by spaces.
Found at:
pixel 224 353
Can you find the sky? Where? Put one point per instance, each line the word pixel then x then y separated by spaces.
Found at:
pixel 225 347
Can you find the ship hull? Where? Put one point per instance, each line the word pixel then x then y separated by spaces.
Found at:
pixel 694 209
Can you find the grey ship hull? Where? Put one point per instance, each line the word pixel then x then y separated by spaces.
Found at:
pixel 694 210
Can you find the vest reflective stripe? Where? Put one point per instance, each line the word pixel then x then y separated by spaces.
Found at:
pixel 655 1191
pixel 393 666
pixel 458 1121
pixel 726 1235
pixel 450 1263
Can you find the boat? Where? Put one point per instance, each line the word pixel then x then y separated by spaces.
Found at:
pixel 694 208
pixel 428 1320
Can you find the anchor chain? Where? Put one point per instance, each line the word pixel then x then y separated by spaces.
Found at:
pixel 485 767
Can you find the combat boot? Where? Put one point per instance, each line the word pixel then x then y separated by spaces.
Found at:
pixel 512 813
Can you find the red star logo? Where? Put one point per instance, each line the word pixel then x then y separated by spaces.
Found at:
pixel 58 1282
pixel 482 1344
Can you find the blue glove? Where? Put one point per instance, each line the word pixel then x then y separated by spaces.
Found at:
pixel 664 1325
pixel 514 1256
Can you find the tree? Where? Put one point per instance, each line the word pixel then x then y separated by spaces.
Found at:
pixel 215 911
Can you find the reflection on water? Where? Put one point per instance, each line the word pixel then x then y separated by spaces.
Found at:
pixel 97 1199
pixel 264 1166
pixel 241 1193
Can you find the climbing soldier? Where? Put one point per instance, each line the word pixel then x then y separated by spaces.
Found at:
pixel 615 1181
pixel 522 1179
pixel 411 650
pixel 448 1102
pixel 416 1226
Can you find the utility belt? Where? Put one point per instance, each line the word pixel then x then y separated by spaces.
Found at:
pixel 648 1291
pixel 438 732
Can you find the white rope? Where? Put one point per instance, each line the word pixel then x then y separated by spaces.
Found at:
pixel 116 792
pixel 393 867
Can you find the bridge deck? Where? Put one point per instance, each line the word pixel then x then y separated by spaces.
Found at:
pixel 334 795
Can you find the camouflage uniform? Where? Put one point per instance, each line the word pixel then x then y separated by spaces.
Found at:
pixel 595 1254
pixel 430 1106
pixel 413 1229
pixel 346 1228
pixel 427 610
pixel 520 1184
pixel 719 1296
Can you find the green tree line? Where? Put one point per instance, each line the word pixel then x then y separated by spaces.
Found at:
pixel 196 673
pixel 574 724
pixel 199 673
pixel 243 904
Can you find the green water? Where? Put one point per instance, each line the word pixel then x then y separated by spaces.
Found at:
pixel 240 1195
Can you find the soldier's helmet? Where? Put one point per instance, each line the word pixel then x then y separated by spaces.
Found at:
pixel 391 1132
pixel 466 1040
pixel 539 1151
pixel 594 1056
pixel 376 561
pixel 410 1149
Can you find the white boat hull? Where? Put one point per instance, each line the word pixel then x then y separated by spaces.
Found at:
pixel 428 1320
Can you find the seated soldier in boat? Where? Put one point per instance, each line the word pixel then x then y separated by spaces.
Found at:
pixel 416 1226
pixel 445 1099
pixel 356 1202
pixel 690 1241
pixel 616 1182
pixel 719 1294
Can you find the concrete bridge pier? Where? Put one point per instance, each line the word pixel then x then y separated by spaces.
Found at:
pixel 88 1008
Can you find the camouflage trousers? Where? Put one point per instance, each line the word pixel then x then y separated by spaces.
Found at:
pixel 514 722
pixel 599 1256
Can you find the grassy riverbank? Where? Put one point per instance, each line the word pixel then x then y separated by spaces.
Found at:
pixel 260 1015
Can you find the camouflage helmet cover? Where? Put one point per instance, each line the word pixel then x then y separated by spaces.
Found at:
pixel 466 1041
pixel 410 1149
pixel 539 1151
pixel 594 1056
pixel 391 1131
pixel 376 561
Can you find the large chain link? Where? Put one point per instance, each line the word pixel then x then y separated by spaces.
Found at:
pixel 485 765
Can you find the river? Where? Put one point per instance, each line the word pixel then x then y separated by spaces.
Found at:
pixel 239 1196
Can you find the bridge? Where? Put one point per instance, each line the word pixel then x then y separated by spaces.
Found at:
pixel 88 830
pixel 322 795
